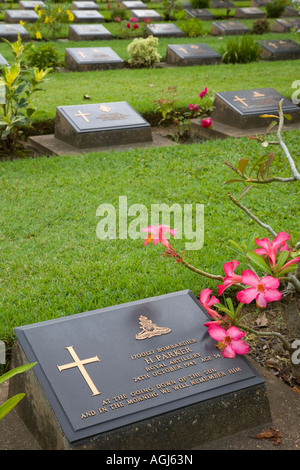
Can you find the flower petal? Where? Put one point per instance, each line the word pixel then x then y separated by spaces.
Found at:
pixel 235 333
pixel 240 347
pixel 229 351
pixel 270 282
pixel 216 332
pixel 247 295
pixel 280 238
pixel 249 278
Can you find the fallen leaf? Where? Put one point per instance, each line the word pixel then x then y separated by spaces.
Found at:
pixel 86 97
pixel 262 321
pixel 296 389
pixel 272 434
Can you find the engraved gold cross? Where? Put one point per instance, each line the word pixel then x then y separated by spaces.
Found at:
pixel 241 100
pixel 81 53
pixel 80 364
pixel 81 114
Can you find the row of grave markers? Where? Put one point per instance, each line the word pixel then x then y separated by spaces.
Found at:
pixel 10 32
pixel 93 16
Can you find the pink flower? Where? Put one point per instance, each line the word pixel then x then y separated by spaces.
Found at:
pixel 134 20
pixel 207 302
pixel 135 26
pixel 230 278
pixel 271 248
pixel 117 19
pixel 156 233
pixel 229 341
pixel 128 25
pixel 206 122
pixel 191 106
pixel 203 92
pixel 262 290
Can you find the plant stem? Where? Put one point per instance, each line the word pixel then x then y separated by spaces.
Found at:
pixel 199 271
pixel 286 344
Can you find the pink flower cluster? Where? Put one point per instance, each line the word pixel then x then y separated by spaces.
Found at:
pixel 262 290
pixel 195 107
pixel 133 20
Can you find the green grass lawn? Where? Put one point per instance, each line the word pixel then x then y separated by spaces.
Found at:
pixel 53 264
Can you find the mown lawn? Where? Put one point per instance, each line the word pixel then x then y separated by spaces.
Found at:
pixel 53 264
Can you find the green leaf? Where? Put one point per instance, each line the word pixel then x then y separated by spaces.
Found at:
pixel 17 370
pixel 10 404
pixel 239 249
pixel 282 259
pixel 259 261
pixel 243 163
pixel 289 269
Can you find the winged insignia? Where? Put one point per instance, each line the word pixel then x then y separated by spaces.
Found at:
pixel 150 329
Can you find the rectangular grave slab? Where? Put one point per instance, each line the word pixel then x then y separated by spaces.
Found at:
pixel 165 30
pixel 31 5
pixel 142 15
pixel 101 125
pixel 200 14
pixel 192 54
pixel 15 16
pixel 290 11
pixel 131 5
pixel 141 375
pixel 10 32
pixel 221 4
pixel 87 16
pixel 259 3
pixel 282 25
pixel 250 12
pixel 88 32
pixel 280 49
pixel 84 59
pixel 242 109
pixel 228 28
pixel 84 6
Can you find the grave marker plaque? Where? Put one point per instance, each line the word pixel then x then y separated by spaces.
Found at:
pixel 10 32
pixel 290 11
pixel 259 3
pixel 192 54
pixel 15 16
pixel 250 12
pixel 135 5
pixel 200 14
pixel 87 16
pixel 84 6
pixel 282 25
pixel 280 49
pixel 92 58
pixel 88 32
pixel 30 5
pixel 242 109
pixel 122 377
pixel 101 125
pixel 142 15
pixel 221 4
pixel 164 30
pixel 227 28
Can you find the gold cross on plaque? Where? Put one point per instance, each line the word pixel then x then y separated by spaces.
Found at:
pixel 81 114
pixel 81 53
pixel 241 100
pixel 78 363
pixel 256 94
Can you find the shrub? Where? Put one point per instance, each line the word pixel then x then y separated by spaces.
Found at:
pixel 275 8
pixel 240 50
pixel 200 3
pixel 43 56
pixel 192 27
pixel 143 52
pixel 261 26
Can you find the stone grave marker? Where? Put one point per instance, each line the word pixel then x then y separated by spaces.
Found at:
pixel 221 4
pixel 31 4
pixel 132 5
pixel 15 16
pixel 165 30
pixel 259 3
pixel 86 32
pixel 3 61
pixel 282 25
pixel 87 16
pixel 142 15
pixel 141 375
pixel 84 6
pixel 84 59
pixel 280 49
pixel 242 109
pixel 290 11
pixel 249 13
pixel 192 54
pixel 200 14
pixel 100 125
pixel 11 31
pixel 227 28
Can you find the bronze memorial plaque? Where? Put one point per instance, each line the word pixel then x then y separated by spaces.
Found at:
pixel 106 369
